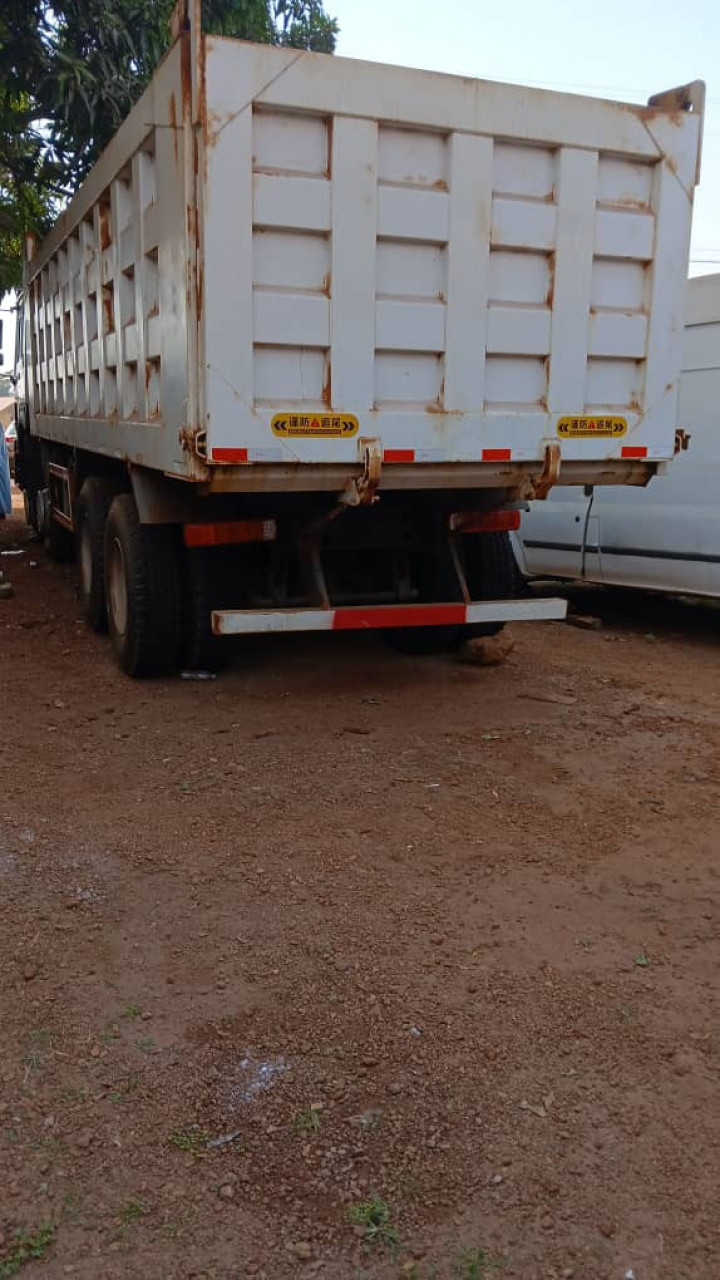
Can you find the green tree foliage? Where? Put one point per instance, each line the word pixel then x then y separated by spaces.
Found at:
pixel 71 70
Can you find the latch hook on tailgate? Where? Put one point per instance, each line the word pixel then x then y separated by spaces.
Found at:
pixel 361 491
pixel 550 474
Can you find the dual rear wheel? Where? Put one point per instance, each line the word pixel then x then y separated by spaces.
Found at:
pixel 155 597
pixel 132 585
pixel 491 574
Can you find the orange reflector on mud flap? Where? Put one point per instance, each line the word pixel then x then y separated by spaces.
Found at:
pixel 229 532
pixel 485 521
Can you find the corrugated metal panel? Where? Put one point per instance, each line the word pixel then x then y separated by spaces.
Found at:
pixel 108 302
pixel 450 288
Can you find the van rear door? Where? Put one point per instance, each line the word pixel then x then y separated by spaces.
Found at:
pixel 554 534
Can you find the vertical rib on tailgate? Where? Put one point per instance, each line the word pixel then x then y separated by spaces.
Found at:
pixel 462 270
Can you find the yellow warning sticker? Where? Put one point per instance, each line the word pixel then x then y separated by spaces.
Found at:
pixel 315 425
pixel 583 428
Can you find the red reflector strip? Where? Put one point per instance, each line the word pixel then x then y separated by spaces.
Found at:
pixel 487 521
pixel 228 532
pixel 229 455
pixel 399 455
pixel 633 451
pixel 414 615
pixel 496 455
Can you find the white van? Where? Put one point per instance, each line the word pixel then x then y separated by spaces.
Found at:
pixel 665 537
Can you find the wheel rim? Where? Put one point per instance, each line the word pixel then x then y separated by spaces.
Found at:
pixel 86 573
pixel 117 588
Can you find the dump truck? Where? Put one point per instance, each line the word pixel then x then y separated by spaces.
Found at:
pixel 313 331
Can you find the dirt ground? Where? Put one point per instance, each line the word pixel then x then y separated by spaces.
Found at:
pixel 432 948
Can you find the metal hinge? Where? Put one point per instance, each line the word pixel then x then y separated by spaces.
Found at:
pixel 194 441
pixel 361 491
pixel 682 440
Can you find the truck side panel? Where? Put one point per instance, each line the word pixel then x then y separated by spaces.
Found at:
pixel 111 298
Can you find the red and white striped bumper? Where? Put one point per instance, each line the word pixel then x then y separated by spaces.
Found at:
pixel 235 622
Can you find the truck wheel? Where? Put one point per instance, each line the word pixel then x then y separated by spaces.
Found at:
pixel 30 508
pixel 59 541
pixel 91 513
pixel 142 588
pixel 492 574
pixel 437 581
pixel 423 641
pixel 202 582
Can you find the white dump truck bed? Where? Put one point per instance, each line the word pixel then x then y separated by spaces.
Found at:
pixel 282 256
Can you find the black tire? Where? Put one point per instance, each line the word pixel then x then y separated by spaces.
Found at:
pixel 30 508
pixel 492 574
pixel 91 513
pixel 421 642
pixel 142 576
pixel 59 541
pixel 202 582
pixel 438 581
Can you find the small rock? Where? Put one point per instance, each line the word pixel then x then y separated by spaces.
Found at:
pixel 546 1222
pixel 496 1179
pixel 486 651
pixel 6 590
pixel 95 1051
pixel 395 1089
pixel 437 938
pixel 227 1191
pixel 568 1273
pixel 303 1249
pixel 2 1239
pixel 682 1063
pixel 29 972
pixel 607 1228
pixel 84 1139
pixel 584 622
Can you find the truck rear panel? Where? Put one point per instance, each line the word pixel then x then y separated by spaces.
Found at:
pixel 453 264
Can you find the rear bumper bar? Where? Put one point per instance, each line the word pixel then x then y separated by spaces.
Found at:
pixel 235 622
